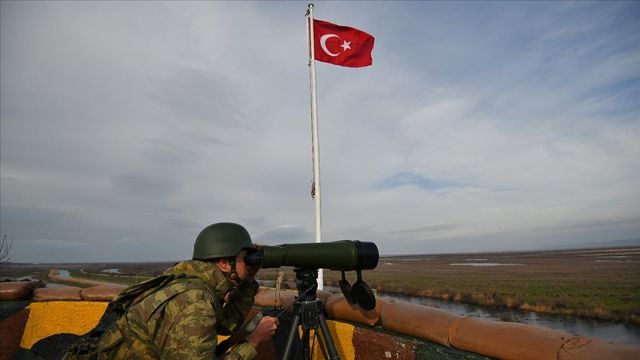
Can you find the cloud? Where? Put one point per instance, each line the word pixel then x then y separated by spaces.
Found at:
pixel 198 99
pixel 426 228
pixel 142 185
pixel 129 126
pixel 284 234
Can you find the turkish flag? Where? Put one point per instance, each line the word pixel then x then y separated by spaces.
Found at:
pixel 342 45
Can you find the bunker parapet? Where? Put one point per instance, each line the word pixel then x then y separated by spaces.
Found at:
pixel 392 330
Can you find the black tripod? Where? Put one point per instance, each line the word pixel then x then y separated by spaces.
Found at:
pixel 308 313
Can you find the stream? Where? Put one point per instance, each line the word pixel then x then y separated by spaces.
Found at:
pixel 607 330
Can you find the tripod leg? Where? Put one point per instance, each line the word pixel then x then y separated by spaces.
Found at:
pixel 327 338
pixel 323 348
pixel 306 351
pixel 293 333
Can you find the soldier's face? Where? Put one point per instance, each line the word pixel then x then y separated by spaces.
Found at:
pixel 241 267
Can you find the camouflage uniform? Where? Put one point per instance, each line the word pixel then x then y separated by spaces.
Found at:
pixel 182 319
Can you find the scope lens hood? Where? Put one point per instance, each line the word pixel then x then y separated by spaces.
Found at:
pixel 346 289
pixel 363 295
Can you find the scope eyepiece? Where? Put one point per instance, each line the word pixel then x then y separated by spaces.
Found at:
pixel 253 258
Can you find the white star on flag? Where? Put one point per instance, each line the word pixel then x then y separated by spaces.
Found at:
pixel 346 45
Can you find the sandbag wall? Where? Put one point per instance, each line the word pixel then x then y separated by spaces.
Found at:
pixel 49 311
pixel 391 330
pixel 496 339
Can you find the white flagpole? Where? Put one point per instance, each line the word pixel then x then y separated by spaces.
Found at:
pixel 314 135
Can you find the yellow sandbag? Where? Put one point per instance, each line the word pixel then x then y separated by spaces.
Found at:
pixel 58 317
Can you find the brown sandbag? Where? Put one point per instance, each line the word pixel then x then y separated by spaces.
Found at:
pixel 338 308
pixel 65 293
pixel 11 330
pixel 419 321
pixel 581 348
pixel 102 292
pixel 506 340
pixel 270 298
pixel 15 290
pixel 323 295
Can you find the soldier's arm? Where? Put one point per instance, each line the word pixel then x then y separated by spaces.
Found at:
pixel 189 331
pixel 240 302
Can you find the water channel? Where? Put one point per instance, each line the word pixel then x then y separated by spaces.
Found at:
pixel 607 330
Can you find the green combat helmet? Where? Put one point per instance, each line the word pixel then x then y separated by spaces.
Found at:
pixel 221 240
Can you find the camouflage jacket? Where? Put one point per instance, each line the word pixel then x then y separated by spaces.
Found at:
pixel 182 319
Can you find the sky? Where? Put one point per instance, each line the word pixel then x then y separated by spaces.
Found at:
pixel 127 127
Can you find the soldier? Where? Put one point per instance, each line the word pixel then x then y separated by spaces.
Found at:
pixel 181 315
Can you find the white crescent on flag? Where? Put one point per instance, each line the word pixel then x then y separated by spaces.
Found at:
pixel 323 43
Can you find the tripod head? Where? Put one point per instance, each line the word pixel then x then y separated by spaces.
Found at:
pixel 306 284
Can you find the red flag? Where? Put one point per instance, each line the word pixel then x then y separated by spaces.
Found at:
pixel 342 45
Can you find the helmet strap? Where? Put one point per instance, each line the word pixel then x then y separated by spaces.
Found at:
pixel 233 274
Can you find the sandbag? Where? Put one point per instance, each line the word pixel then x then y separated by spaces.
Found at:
pixel 11 330
pixel 323 295
pixel 102 292
pixel 65 293
pixel 48 318
pixel 338 308
pixel 506 340
pixel 15 290
pixel 419 321
pixel 581 348
pixel 270 298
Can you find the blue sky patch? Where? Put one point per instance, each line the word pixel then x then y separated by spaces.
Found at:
pixel 407 178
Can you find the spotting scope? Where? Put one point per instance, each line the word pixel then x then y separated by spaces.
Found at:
pixel 342 255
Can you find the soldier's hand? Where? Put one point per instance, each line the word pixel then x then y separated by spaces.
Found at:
pixel 264 331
